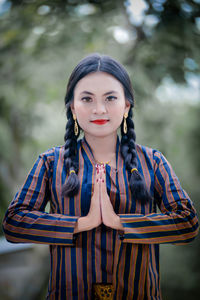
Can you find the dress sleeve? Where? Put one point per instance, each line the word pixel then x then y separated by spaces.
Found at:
pixel 177 222
pixel 26 220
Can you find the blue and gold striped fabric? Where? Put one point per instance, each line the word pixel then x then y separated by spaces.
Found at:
pixel 102 255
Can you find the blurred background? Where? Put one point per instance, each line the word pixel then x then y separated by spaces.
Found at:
pixel 158 41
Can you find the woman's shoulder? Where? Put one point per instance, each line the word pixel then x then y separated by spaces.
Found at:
pixel 145 149
pixel 149 153
pixel 56 152
pixel 52 154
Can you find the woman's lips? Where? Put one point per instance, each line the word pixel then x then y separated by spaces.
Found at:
pixel 100 122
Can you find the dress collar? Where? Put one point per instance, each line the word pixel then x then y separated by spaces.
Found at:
pixel 90 155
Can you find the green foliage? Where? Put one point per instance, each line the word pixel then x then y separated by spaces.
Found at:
pixel 162 48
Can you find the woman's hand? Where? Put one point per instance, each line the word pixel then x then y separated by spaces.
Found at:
pixel 109 217
pixel 93 218
pixel 94 215
pixel 101 209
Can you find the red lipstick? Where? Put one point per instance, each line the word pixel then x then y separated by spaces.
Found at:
pixel 100 122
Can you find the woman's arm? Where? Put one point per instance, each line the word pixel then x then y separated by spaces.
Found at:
pixel 26 221
pixel 177 222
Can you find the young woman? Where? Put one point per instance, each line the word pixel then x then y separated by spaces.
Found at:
pixel 103 227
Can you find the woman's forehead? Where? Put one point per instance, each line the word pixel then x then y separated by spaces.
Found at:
pixel 98 81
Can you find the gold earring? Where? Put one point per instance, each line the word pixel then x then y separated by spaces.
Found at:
pixel 125 124
pixel 75 125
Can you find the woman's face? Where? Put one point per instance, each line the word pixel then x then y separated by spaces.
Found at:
pixel 99 104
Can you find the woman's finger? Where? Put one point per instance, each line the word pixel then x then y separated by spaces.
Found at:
pixel 103 179
pixel 97 180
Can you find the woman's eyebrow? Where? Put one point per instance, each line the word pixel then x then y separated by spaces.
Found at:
pixel 111 92
pixel 86 92
pixel 107 93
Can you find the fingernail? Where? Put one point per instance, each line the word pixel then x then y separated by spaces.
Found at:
pixel 102 180
pixel 97 180
pixel 97 171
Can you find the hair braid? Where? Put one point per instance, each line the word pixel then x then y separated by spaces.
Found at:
pixel 129 154
pixel 71 187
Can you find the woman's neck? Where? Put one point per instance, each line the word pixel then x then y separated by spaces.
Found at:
pixel 103 148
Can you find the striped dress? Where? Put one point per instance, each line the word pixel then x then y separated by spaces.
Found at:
pixel 130 261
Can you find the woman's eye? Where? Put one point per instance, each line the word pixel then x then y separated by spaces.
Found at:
pixel 111 98
pixel 86 99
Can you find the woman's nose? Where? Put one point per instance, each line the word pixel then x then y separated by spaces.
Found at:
pixel 99 108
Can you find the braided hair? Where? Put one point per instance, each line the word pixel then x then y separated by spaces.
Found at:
pixel 128 151
pixel 101 63
pixel 71 187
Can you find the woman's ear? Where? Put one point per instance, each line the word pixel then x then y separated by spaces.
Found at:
pixel 72 107
pixel 127 106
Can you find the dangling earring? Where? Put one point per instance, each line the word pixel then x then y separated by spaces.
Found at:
pixel 75 125
pixel 125 124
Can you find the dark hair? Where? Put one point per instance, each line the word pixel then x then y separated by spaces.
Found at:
pixel 102 63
